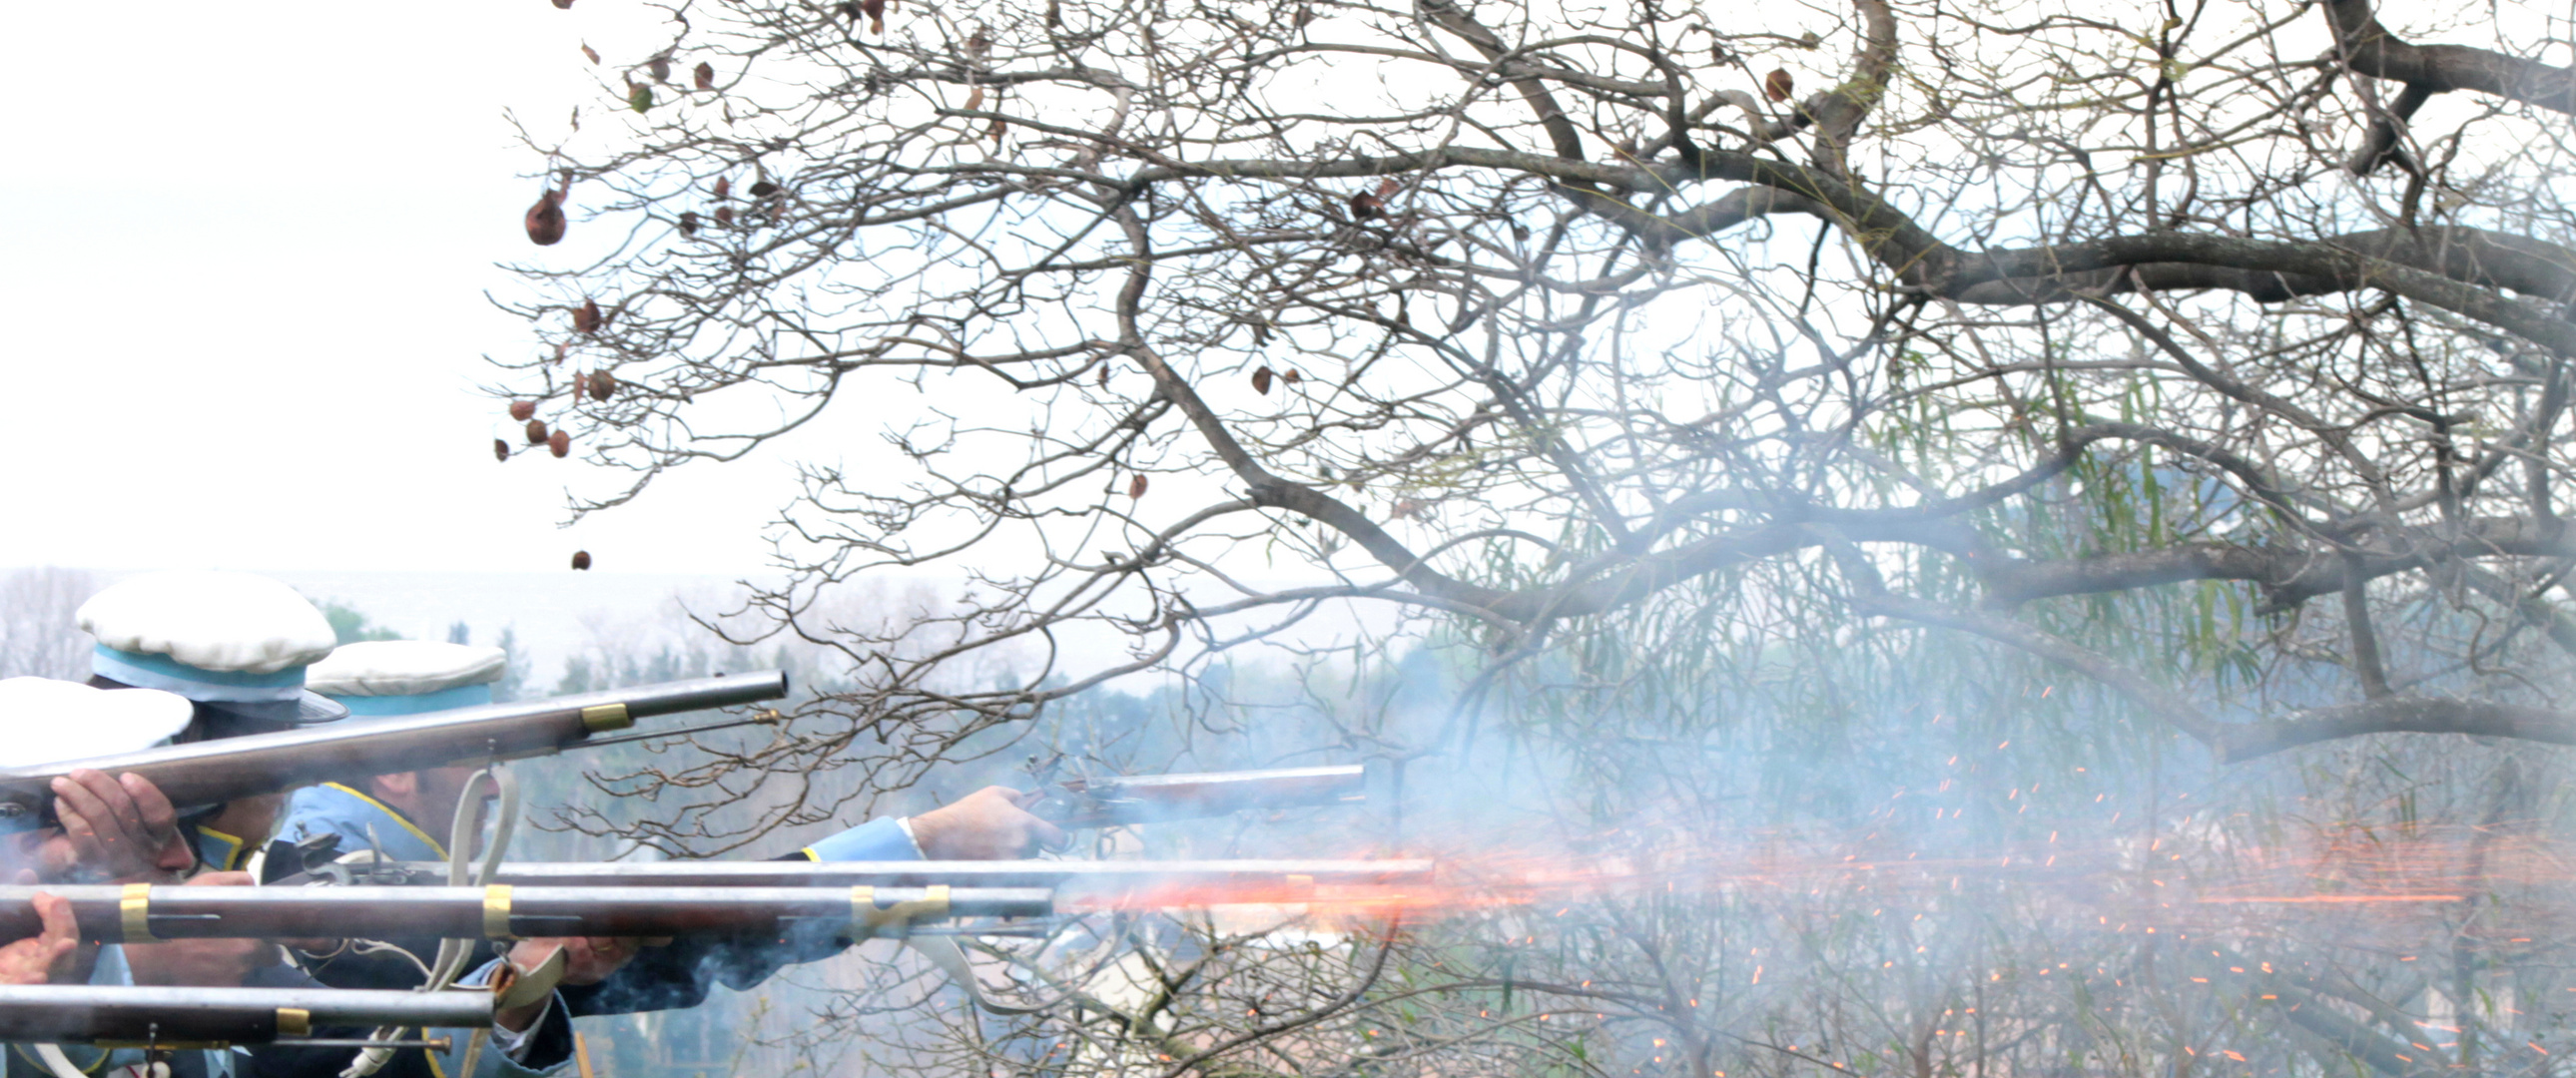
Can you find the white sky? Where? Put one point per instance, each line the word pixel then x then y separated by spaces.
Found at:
pixel 241 305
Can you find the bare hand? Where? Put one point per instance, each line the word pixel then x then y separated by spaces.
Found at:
pixel 587 960
pixel 987 825
pixel 48 958
pixel 119 830
pixel 202 963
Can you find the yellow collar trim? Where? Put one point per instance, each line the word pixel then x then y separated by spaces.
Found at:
pixel 435 845
pixel 232 860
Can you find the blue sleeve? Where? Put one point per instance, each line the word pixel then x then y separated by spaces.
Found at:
pixel 875 840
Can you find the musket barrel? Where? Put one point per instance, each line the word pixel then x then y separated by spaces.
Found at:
pixel 213 772
pixel 1087 877
pixel 1105 802
pixel 138 914
pixel 87 1014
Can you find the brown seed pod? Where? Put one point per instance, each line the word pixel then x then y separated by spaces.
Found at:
pixel 546 219
pixel 1365 206
pixel 1261 381
pixel 979 43
pixel 724 188
pixel 500 450
pixel 705 74
pixel 587 318
pixel 592 53
pixel 875 11
pixel 560 444
pixel 536 432
pixel 563 5
pixel 581 559
pixel 659 67
pixel 523 411
pixel 1136 487
pixel 602 385
pixel 724 216
pixel 763 189
pixel 1292 377
pixel 688 222
pixel 1778 85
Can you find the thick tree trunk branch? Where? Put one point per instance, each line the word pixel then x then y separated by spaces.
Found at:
pixel 2373 51
pixel 2392 715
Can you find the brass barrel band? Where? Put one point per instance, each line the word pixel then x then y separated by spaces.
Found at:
pixel 868 921
pixel 598 718
pixel 496 912
pixel 294 1022
pixel 134 910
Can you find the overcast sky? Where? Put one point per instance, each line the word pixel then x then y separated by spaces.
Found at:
pixel 242 305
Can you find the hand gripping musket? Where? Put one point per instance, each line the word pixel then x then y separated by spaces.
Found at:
pixel 136 913
pixel 175 1018
pixel 212 772
pixel 1134 799
pixel 1084 878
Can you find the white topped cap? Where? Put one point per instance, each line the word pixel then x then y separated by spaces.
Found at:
pixel 44 721
pixel 221 621
pixel 403 668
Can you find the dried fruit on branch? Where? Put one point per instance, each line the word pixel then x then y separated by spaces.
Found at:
pixel 592 53
pixel 1777 85
pixel 724 216
pixel 1365 206
pixel 563 5
pixel 581 559
pixel 602 385
pixel 536 432
pixel 639 97
pixel 560 444
pixel 659 67
pixel 979 43
pixel 1292 377
pixel 688 222
pixel 1136 487
pixel 523 411
pixel 1261 381
pixel 500 450
pixel 875 10
pixel 763 189
pixel 546 219
pixel 724 188
pixel 705 75
pixel 587 318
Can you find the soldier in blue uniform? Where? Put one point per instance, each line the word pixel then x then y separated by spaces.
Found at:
pixel 234 647
pixel 103 836
pixel 405 817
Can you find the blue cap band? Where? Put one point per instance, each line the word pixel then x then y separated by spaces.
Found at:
pixel 163 672
pixel 442 700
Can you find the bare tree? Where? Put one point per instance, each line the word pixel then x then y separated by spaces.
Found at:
pixel 38 636
pixel 2215 354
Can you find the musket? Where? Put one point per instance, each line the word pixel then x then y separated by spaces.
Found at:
pixel 117 1016
pixel 136 913
pixel 212 772
pixel 1087 878
pixel 1133 799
